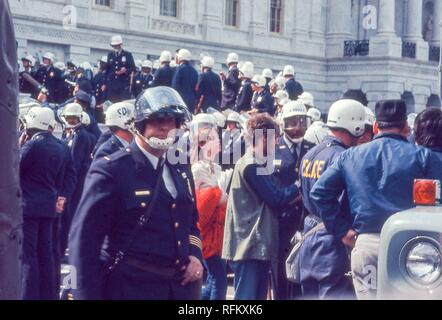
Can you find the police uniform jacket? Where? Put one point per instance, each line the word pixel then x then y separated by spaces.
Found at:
pixel 264 102
pixel 117 61
pixel 293 88
pixel 163 77
pixel 51 79
pixel 209 86
pixel 41 175
pixel 378 177
pixel 245 96
pixel 231 88
pixel 112 145
pixel 100 80
pixel 185 81
pixel 122 186
pixel 142 82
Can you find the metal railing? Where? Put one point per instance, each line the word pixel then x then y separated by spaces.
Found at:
pixel 409 50
pixel 356 48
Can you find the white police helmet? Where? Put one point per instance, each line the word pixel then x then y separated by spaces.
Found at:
pixel 147 64
pixel 234 117
pixel 50 115
pixel 314 114
pixel 347 114
pixel 103 59
pixel 37 119
pixel 29 58
pixel 60 66
pixel 308 99
pixel 267 73
pixel 369 117
pixel 232 58
pixel 120 115
pixel 85 119
pixel 207 62
pixel 50 56
pixel 184 55
pixel 259 80
pixel 204 119
pixel 288 71
pixel 281 95
pixel 72 110
pixel 116 40
pixel 292 109
pixel 165 56
pixel 220 119
pixel 317 133
pixel 172 64
pixel 247 69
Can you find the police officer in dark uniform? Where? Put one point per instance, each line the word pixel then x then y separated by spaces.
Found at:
pixel 99 82
pixel 143 212
pixel 209 91
pixel 290 149
pixel 143 78
pixel 28 64
pixel 324 259
pixel 121 71
pixel 69 80
pixel 231 82
pixel 50 78
pixel 185 79
pixel 245 93
pixel 79 143
pixel 41 178
pixel 84 99
pixel 164 75
pixel 118 118
pixel 262 99
pixel 293 87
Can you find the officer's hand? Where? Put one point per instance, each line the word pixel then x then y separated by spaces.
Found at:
pixel 60 205
pixel 193 271
pixel 350 239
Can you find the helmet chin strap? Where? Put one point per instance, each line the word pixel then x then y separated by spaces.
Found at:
pixel 295 141
pixel 153 142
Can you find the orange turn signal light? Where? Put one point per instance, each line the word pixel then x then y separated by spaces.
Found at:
pixel 426 192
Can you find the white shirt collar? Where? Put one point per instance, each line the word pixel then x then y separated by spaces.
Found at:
pixel 153 159
pixel 288 142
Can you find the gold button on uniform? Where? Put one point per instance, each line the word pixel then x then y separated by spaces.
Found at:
pixel 177 262
pixel 179 243
pixel 143 205
pixel 174 206
pixel 177 225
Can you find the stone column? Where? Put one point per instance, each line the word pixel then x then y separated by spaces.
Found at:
pixel 258 30
pixel 136 15
pixel 437 20
pixel 338 27
pixel 212 21
pixel 386 43
pixel 413 31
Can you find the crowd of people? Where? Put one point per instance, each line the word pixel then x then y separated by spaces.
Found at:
pixel 162 180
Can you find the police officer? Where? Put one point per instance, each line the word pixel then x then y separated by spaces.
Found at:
pixel 186 79
pixel 121 71
pixel 84 100
pixel 145 212
pixel 118 118
pixel 231 82
pixel 164 75
pixel 323 258
pixel 64 195
pixel 28 63
pixel 290 149
pixel 49 78
pixel 308 100
pixel 268 75
pixel 293 87
pixel 41 174
pixel 69 80
pixel 209 91
pixel 79 143
pixel 245 94
pixel 143 78
pixel 233 143
pixel 385 177
pixel 262 99
pixel 99 82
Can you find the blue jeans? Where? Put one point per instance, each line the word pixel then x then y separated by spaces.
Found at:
pixel 251 279
pixel 216 283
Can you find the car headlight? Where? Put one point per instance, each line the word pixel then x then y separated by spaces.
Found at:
pixel 424 263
